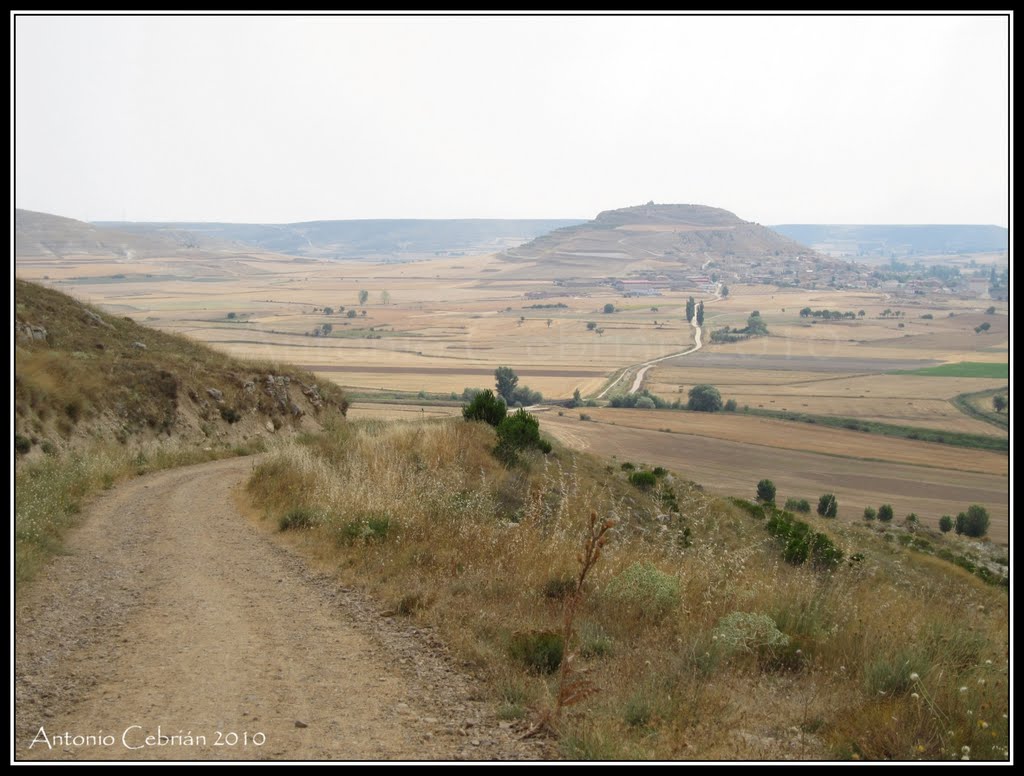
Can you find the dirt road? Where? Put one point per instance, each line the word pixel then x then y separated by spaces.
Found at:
pixel 176 628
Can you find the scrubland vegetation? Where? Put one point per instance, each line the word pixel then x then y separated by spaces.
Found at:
pixel 701 632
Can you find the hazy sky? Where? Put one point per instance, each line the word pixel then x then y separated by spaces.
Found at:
pixel 781 119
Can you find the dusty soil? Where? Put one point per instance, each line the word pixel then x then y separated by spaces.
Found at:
pixel 181 629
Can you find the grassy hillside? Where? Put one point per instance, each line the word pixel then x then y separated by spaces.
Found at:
pixel 83 375
pixel 703 629
pixel 98 398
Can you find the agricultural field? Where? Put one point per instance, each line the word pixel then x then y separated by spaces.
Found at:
pixel 428 329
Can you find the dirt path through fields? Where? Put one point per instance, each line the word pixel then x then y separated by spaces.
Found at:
pixel 177 628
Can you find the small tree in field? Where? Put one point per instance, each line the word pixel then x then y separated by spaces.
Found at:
pixel 999 403
pixel 827 505
pixel 870 513
pixel 506 381
pixel 885 513
pixel 363 296
pixel 609 308
pixel 946 524
pixel 704 398
pixel 766 492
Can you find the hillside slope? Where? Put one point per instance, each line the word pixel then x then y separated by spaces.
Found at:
pixel 82 375
pixel 46 235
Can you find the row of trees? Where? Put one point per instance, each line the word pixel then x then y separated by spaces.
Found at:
pixel 756 327
pixel 834 315
pixel 974 522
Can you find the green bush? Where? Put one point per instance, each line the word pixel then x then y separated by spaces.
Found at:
pixel 798 505
pixel 297 518
pixel 730 406
pixel 627 466
pixel 644 592
pixel 974 522
pixel 644 480
pixel 766 492
pixel 870 513
pixel 230 414
pixel 518 432
pixel 540 651
pixel 946 523
pixel 748 632
pixel 487 407
pixel 885 513
pixel 828 506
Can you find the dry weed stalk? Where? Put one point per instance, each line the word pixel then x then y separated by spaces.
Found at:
pixel 573 689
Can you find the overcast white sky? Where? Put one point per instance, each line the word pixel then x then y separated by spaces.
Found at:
pixel 780 119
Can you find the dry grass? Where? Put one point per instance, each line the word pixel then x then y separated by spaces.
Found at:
pixel 425 518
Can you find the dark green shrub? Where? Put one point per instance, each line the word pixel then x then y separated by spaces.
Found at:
pixel 870 513
pixel 517 432
pixel 974 522
pixel 801 505
pixel 627 466
pixel 766 492
pixel 540 651
pixel 22 444
pixel 230 414
pixel 730 406
pixel 885 513
pixel 704 398
pixel 487 407
pixel 659 471
pixel 946 524
pixel 643 480
pixel 828 506
pixel 559 588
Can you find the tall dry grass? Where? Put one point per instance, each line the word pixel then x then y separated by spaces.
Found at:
pixel 867 661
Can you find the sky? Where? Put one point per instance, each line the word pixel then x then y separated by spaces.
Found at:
pixel 275 119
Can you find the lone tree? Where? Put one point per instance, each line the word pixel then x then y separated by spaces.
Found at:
pixel 363 296
pixel 725 291
pixel 351 314
pixel 704 398
pixel 328 311
pixel 487 407
pixel 885 513
pixel 609 308
pixel 700 314
pixel 691 308
pixel 999 403
pixel 506 381
pixel 591 325
pixel 232 316
pixel 827 505
pixel 385 297
pixel 766 492
pixel 974 522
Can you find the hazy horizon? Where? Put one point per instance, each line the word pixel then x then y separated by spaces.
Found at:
pixel 780 119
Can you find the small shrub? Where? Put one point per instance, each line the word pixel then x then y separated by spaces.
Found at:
pixel 870 513
pixel 519 432
pixel 297 518
pixel 890 674
pixel 230 414
pixel 22 444
pixel 643 480
pixel 559 588
pixel 748 632
pixel 585 416
pixel 828 506
pixel 946 523
pixel 627 466
pixel 730 405
pixel 885 513
pixel 801 505
pixel 766 492
pixel 644 591
pixel 540 651
pixel 594 641
pixel 659 471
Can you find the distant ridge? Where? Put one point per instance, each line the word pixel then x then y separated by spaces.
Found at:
pixel 369 238
pixel 899 239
